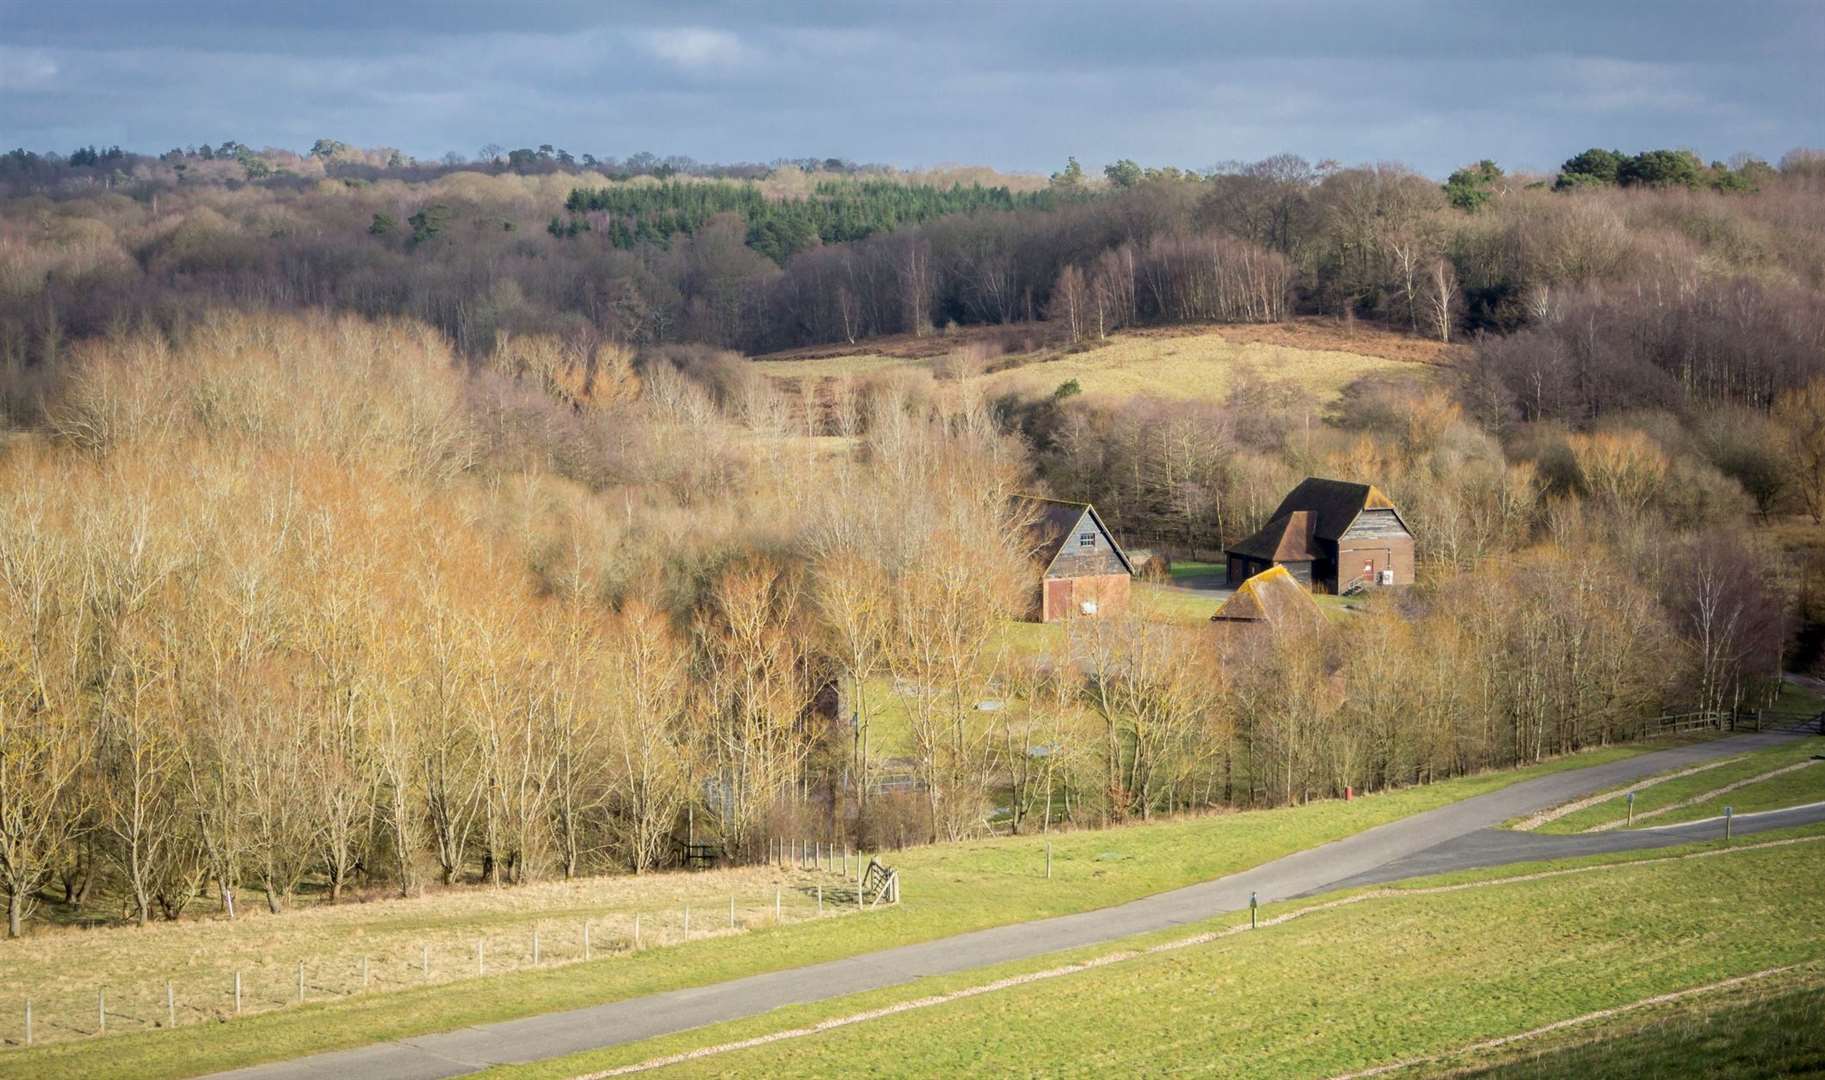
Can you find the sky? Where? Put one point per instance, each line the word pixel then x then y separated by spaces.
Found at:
pixel 1014 84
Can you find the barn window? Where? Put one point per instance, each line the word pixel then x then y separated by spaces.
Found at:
pixel 1086 539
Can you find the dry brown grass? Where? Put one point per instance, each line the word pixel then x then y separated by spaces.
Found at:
pixel 1171 363
pixel 62 971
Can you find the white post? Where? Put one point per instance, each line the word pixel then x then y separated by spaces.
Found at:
pixel 101 1010
pixel 820 899
pixel 776 904
pixel 28 1021
pixel 170 1005
pixel 237 993
pixel 687 920
pixel 586 939
pixel 535 946
pixel 300 982
pixel 481 965
pixel 636 931
pixel 731 911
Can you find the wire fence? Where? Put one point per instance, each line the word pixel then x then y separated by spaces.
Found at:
pixel 58 1015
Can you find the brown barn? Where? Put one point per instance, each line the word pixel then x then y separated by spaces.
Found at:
pixel 1086 572
pixel 1331 536
pixel 1272 601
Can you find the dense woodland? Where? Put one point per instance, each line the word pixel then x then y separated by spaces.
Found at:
pixel 372 526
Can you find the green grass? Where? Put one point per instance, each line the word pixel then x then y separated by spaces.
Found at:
pixel 1672 791
pixel 949 889
pixel 1796 788
pixel 1190 568
pixel 1384 980
pixel 1757 1030
pixel 1798 699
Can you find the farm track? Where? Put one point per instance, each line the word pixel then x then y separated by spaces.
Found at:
pixel 1461 836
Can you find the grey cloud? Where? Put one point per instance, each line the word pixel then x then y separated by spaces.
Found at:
pixel 1019 84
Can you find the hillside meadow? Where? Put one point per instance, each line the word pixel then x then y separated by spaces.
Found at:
pixel 1192 364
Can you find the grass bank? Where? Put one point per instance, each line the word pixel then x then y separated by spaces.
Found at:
pixel 1773 1027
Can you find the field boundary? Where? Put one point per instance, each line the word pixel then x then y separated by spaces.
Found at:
pixel 1215 935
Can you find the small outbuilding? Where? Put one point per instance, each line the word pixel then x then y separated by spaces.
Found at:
pixel 1085 572
pixel 1271 602
pixel 1331 536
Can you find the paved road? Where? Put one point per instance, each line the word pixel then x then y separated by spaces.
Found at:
pixel 1456 837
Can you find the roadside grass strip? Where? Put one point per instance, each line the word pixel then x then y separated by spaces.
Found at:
pixel 1377 894
pixel 1663 796
pixel 1567 809
pixel 1697 800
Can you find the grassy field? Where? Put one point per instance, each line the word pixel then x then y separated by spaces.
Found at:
pixel 1765 1028
pixel 888 732
pixel 401 944
pixel 1192 367
pixel 950 889
pixel 1654 804
pixel 1402 974
pixel 1179 363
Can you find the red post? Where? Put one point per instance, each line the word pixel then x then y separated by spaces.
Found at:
pixel 1349 793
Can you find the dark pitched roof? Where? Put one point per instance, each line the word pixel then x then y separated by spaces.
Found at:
pixel 1273 597
pixel 1333 504
pixel 1287 538
pixel 1053 521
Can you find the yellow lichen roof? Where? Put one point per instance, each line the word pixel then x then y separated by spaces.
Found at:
pixel 1275 597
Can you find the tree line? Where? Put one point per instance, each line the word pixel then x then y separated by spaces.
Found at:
pixel 305 605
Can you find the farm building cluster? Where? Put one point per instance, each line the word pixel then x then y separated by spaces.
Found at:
pixel 1326 536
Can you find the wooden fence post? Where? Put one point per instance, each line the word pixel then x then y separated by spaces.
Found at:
pixel 586 939
pixel 101 1011
pixel 1048 860
pixel 170 1005
pixel 776 904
